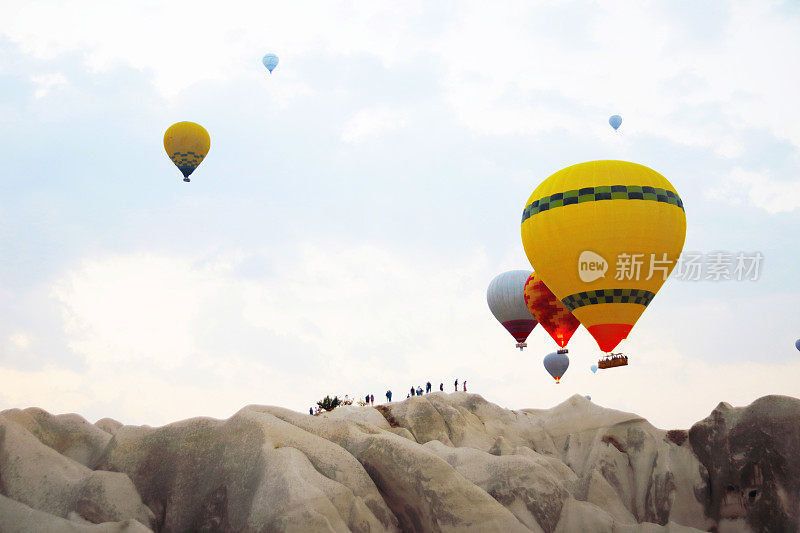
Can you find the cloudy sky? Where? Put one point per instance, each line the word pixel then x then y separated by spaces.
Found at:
pixel 340 235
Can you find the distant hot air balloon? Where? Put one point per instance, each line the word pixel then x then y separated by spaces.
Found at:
pixel 588 216
pixel 507 303
pixel 270 61
pixel 588 397
pixel 186 144
pixel 593 368
pixel 556 364
pixel 615 121
pixel 548 310
pixel 797 344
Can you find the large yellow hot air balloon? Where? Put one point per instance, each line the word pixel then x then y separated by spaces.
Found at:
pixel 186 144
pixel 588 228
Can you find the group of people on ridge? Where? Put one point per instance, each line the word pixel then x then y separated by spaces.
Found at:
pixel 418 390
pixel 369 399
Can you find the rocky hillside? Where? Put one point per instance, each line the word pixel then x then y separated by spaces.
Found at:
pixel 441 462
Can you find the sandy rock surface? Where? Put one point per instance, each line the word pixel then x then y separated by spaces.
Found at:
pixel 440 462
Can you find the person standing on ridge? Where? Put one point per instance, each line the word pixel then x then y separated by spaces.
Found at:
pixel 465 385
pixel 372 399
pixel 413 392
pixel 441 387
pixel 366 399
pixel 419 390
pixel 311 411
pixel 428 387
pixel 389 396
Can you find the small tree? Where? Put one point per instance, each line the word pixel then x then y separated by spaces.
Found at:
pixel 328 403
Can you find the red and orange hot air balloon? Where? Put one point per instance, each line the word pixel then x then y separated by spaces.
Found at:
pixel 548 310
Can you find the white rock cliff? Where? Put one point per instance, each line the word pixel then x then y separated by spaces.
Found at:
pixel 440 462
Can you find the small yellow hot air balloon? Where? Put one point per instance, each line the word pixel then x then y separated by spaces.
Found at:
pixel 604 236
pixel 186 144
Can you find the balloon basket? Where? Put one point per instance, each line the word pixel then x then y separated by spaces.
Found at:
pixel 613 360
pixel 522 345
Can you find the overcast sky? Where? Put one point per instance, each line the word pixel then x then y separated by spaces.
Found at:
pixel 356 203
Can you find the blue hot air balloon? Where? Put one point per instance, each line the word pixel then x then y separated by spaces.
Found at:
pixel 797 344
pixel 556 364
pixel 593 368
pixel 615 121
pixel 270 61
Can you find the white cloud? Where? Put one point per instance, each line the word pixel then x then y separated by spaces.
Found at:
pixel 329 319
pixel 760 189
pixel 523 67
pixel 541 66
pixel 133 308
pixel 188 42
pixel 20 340
pixel 373 122
pixel 47 82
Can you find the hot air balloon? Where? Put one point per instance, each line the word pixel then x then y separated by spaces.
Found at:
pixel 588 397
pixel 590 215
pixel 548 310
pixel 615 121
pixel 186 144
pixel 797 344
pixel 270 61
pixel 556 364
pixel 507 304
pixel 593 368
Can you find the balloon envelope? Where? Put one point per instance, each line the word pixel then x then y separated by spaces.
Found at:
pixel 270 61
pixel 186 144
pixel 797 344
pixel 507 303
pixel 615 121
pixel 593 368
pixel 548 310
pixel 580 227
pixel 556 364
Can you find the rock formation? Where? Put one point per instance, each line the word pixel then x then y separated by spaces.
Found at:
pixel 440 462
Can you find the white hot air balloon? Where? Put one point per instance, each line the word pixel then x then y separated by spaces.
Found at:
pixel 506 299
pixel 556 364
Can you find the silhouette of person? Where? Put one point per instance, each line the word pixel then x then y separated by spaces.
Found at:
pixel 465 385
pixel 456 384
pixel 441 387
pixel 311 411
pixel 427 387
pixel 413 392
pixel 372 399
pixel 389 396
